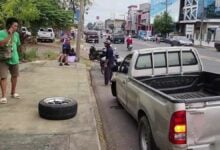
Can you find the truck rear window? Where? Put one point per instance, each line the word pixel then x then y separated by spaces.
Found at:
pixel 144 62
pixel 159 60
pixel 189 58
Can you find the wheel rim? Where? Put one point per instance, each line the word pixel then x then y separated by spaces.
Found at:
pixel 144 138
pixel 57 101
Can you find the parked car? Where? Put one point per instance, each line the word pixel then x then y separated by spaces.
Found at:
pixel 134 36
pixel 46 35
pixel 25 30
pixel 175 103
pixel 181 41
pixel 217 39
pixel 92 37
pixel 168 40
pixel 151 38
pixel 118 38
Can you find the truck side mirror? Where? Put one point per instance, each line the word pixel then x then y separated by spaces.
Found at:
pixel 125 69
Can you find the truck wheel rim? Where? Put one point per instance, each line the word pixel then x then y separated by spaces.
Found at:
pixel 57 101
pixel 144 138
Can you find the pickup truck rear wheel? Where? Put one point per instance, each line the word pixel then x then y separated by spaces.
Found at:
pixel 146 140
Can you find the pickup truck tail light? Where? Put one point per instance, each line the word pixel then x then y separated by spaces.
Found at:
pixel 178 128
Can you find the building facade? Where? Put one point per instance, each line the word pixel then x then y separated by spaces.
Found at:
pixel 131 24
pixel 200 19
pixel 116 22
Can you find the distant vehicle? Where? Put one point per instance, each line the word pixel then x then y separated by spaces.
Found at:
pixel 25 30
pixel 46 35
pixel 150 38
pixel 217 39
pixel 118 38
pixel 92 37
pixel 168 40
pixel 134 36
pixel 181 41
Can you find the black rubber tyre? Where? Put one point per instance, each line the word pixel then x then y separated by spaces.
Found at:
pixel 113 89
pixel 146 141
pixel 57 110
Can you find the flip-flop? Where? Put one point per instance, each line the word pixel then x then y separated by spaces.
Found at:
pixel 3 100
pixel 15 95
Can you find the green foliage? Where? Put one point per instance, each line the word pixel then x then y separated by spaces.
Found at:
pixel 51 14
pixel 163 24
pixel 31 55
pixel 24 10
pixel 50 55
pixel 37 13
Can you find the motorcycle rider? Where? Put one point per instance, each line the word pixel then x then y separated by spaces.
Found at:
pixel 109 62
pixel 129 41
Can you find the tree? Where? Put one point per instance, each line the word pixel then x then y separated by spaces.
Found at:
pixel 24 10
pixel 163 24
pixel 111 26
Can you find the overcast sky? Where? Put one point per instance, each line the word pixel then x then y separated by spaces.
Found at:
pixel 107 8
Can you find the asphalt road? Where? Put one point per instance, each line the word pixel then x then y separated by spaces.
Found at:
pixel 119 127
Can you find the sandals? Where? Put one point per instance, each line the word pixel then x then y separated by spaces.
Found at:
pixel 16 96
pixel 3 100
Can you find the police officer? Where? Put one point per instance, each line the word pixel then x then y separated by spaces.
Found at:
pixel 109 61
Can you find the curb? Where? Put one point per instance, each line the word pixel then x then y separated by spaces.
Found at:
pixel 98 121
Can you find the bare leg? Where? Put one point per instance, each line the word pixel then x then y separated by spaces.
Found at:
pixel 3 87
pixel 13 85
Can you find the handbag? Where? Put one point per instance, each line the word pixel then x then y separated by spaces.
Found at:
pixel 6 51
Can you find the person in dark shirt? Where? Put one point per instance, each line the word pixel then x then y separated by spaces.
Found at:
pixel 109 62
pixel 66 48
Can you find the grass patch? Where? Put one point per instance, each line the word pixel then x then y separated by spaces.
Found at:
pixel 85 61
pixel 50 55
pixel 31 55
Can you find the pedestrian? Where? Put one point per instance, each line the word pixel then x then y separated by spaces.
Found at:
pixel 66 47
pixel 109 62
pixel 9 59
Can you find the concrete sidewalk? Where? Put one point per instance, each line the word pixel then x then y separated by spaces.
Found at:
pixel 21 128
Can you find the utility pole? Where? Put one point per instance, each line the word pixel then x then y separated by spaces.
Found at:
pixel 202 22
pixel 80 30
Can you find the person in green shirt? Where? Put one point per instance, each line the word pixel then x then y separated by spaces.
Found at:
pixel 9 35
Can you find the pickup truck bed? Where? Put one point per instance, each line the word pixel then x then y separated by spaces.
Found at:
pixel 187 86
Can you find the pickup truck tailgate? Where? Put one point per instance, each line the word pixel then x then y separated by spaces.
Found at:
pixel 203 125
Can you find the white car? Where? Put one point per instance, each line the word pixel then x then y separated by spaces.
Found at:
pixel 46 35
pixel 25 30
pixel 150 38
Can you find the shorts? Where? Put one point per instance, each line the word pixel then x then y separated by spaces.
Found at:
pixel 4 68
pixel 66 51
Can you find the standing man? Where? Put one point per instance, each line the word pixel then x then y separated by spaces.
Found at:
pixel 109 61
pixel 9 35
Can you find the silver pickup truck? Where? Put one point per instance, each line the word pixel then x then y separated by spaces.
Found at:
pixel 174 101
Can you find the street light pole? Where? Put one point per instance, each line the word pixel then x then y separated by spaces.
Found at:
pixel 202 22
pixel 80 30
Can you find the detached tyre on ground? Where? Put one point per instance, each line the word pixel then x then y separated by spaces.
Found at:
pixel 146 140
pixel 57 108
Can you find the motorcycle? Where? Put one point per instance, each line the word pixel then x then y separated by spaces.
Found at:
pixel 95 54
pixel 117 61
pixel 130 47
